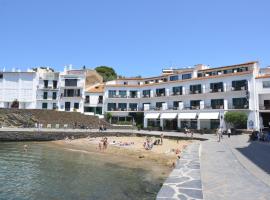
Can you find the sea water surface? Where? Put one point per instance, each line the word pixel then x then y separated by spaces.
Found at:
pixel 46 171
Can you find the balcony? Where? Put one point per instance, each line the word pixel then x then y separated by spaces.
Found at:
pixel 176 93
pixel 160 95
pixel 243 88
pixel 146 96
pixel 244 106
pixel 264 107
pixel 216 90
pixel 195 92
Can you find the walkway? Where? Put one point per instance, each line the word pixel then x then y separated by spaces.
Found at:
pixel 185 180
pixel 228 175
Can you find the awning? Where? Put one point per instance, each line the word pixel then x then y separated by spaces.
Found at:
pixel 187 115
pixel 151 115
pixel 168 115
pixel 211 115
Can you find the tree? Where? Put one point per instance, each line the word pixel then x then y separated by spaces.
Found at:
pixel 236 119
pixel 15 104
pixel 109 117
pixel 107 73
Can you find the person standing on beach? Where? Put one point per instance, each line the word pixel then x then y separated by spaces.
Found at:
pixel 161 138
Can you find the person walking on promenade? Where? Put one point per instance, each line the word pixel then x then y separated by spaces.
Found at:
pixel 229 132
pixel 219 134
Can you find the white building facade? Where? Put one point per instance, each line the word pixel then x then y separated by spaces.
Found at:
pixel 194 97
pixel 18 87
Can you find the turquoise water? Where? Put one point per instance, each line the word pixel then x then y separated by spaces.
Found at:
pixel 48 172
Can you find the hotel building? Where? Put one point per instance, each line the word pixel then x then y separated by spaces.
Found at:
pixel 195 97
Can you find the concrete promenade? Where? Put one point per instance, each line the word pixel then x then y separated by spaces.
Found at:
pixel 228 172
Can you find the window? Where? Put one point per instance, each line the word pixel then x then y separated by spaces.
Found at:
pixel 54 106
pixel 54 84
pixel 100 99
pixel 240 103
pixel 216 87
pixel 159 105
pixel 177 90
pixel 133 106
pixel 186 76
pixel 195 104
pixel 44 105
pixel 217 103
pixel 240 85
pixel 176 104
pixel 76 105
pixel 1 76
pixel 87 99
pixel 46 82
pixel 72 92
pixel 146 93
pixel 54 95
pixel 111 106
pixel 123 93
pixel 122 106
pixel 174 78
pixel 133 94
pixel 195 89
pixel 71 82
pixel 160 92
pixel 266 84
pixel 125 83
pixel 45 95
pixel 112 93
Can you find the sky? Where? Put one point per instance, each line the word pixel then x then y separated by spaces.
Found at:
pixel 135 37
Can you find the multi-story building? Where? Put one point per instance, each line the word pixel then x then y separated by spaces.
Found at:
pixel 18 89
pixel 93 102
pixel 196 97
pixel 47 88
pixel 72 88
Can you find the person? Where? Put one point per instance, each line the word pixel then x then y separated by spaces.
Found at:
pixel 161 138
pixel 25 147
pixel 219 133
pixel 229 132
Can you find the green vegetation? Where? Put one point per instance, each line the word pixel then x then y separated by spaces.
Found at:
pixel 109 117
pixel 236 119
pixel 107 73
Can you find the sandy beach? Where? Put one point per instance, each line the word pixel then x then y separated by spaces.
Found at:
pixel 130 147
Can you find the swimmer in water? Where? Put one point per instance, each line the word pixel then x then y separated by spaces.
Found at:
pixel 25 147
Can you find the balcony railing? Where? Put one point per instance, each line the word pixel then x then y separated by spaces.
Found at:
pixel 160 94
pixel 264 107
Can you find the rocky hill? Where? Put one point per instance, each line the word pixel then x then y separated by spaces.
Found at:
pixel 28 118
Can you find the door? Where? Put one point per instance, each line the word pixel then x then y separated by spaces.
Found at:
pixel 67 106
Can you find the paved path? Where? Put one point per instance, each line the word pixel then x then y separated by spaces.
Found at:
pixel 226 177
pixel 184 181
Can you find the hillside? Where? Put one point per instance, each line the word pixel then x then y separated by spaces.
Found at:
pixel 28 118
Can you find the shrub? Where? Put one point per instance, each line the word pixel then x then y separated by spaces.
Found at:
pixel 236 119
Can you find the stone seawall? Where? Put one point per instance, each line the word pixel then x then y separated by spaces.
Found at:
pixel 50 135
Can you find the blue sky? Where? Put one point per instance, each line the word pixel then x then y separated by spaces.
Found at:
pixel 138 37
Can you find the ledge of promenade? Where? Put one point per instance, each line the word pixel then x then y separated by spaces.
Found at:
pixel 47 134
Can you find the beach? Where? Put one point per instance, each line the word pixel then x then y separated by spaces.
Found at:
pixel 130 147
